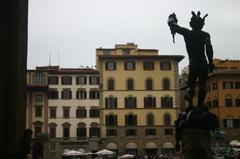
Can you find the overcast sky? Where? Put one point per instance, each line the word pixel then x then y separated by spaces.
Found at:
pixel 73 29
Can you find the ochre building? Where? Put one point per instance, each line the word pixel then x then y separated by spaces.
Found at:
pixel 139 99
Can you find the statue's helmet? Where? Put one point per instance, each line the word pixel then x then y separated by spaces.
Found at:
pixel 197 22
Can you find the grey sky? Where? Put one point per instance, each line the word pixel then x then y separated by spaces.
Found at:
pixel 75 28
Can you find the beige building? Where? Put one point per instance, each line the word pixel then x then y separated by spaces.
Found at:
pixel 69 107
pixel 139 99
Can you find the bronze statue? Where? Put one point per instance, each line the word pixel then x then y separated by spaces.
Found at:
pixel 198 43
pixel 193 126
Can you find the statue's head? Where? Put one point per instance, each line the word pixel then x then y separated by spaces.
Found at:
pixel 197 22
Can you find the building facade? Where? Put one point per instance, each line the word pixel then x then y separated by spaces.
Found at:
pixel 37 110
pixel 139 99
pixel 222 95
pixel 71 115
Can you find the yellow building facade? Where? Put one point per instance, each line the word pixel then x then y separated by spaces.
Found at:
pixel 139 99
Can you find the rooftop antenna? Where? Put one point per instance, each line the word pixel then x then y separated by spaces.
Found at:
pixel 58 58
pixel 49 58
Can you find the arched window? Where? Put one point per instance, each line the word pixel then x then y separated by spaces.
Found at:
pixel 130 84
pixel 149 84
pixel 52 130
pixel 131 120
pixel 167 102
pixel 130 102
pixel 111 102
pixel 94 130
pixel 149 102
pixel 167 119
pixel 66 130
pixel 166 84
pixel 150 119
pixel 37 128
pixel 110 84
pixel 111 120
pixel 228 101
pixel 81 130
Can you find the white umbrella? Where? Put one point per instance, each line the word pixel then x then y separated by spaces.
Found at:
pixel 235 143
pixel 127 156
pixel 105 152
pixel 72 153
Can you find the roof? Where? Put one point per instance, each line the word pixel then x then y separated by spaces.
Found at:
pixel 225 72
pixel 177 57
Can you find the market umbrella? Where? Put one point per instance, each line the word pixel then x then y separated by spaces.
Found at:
pixel 72 153
pixel 105 152
pixel 127 156
pixel 235 143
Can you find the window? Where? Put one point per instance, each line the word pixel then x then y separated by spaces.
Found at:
pixel 166 84
pixel 93 80
pixel 129 66
pixel 38 110
pixel 81 80
pixel 131 132
pixel 165 65
pixel 111 120
pixel 66 112
pixel 168 132
pixel 81 94
pixel 106 52
pixel 52 130
pixel 53 80
pixel 52 112
pixel 228 101
pixel 214 86
pixel 37 130
pixel 66 80
pixel 149 102
pixel 38 98
pixel 227 85
pixel 130 120
pixel 149 84
pixel 81 112
pixel 93 94
pixel 149 65
pixel 111 132
pixel 66 130
pixel 167 119
pixel 237 85
pixel 215 103
pixel 110 84
pixel 150 132
pixel 150 120
pixel 66 94
pixel 125 51
pixel 52 94
pixel 237 101
pixel 111 102
pixel 130 84
pixel 94 113
pixel 110 66
pixel 209 103
pixel 208 88
pixel 130 102
pixel 81 130
pixel 228 123
pixel 39 78
pixel 94 130
pixel 167 102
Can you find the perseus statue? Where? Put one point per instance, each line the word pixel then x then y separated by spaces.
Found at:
pixel 198 45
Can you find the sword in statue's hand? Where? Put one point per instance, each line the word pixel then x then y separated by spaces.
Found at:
pixel 172 19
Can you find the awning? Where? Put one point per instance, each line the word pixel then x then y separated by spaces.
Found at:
pixel 168 145
pixel 131 146
pixel 111 146
pixel 151 145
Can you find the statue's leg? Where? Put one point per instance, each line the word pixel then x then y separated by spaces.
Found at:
pixel 203 75
pixel 192 77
